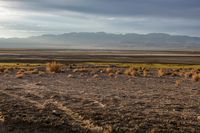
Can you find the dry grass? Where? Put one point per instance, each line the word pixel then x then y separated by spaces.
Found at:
pixel 174 74
pixel 187 74
pixel 53 67
pixel 178 82
pixel 131 71
pixel 118 72
pixel 195 77
pixel 111 74
pixel 161 72
pixel 109 70
pixel 6 70
pixel 2 118
pixel 145 72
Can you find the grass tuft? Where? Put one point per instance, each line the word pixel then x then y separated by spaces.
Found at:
pixel 195 77
pixel 161 72
pixel 54 67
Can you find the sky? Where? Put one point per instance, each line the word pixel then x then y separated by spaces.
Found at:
pixel 23 18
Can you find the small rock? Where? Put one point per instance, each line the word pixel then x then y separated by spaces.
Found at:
pixel 70 76
pixel 20 76
pixel 198 118
pixel 56 113
pixel 116 98
pixel 38 83
pixel 96 76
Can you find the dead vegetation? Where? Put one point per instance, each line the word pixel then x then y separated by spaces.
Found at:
pixel 53 67
pixel 161 72
pixel 132 76
pixel 22 71
pixel 178 82
pixel 195 77
pixel 145 72
pixel 132 71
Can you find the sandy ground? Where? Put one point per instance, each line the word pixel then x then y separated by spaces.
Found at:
pixel 82 103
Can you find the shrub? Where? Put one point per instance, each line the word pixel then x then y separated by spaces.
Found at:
pixel 109 70
pixel 178 82
pixel 53 67
pixel 131 71
pixel 161 72
pixel 188 74
pixel 118 72
pixel 195 77
pixel 145 73
pixel 111 74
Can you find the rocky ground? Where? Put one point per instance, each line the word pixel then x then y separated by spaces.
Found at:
pixel 81 102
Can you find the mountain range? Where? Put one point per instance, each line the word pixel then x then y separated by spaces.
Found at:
pixel 102 40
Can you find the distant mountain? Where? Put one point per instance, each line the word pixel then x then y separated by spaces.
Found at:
pixel 101 40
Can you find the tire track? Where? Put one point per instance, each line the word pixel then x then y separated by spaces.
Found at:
pixel 84 123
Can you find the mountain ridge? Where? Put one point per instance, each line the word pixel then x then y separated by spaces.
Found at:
pixel 103 40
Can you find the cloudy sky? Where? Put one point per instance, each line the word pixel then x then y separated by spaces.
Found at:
pixel 21 18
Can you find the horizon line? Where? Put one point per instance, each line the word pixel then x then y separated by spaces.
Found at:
pixel 170 34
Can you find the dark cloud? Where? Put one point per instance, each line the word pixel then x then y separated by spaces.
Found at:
pixel 158 8
pixel 120 16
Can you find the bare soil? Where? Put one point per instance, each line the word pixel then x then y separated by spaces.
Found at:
pixel 127 56
pixel 79 102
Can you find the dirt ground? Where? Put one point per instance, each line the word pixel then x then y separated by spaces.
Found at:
pixel 84 102
pixel 67 55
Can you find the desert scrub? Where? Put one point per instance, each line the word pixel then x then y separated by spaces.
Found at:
pixel 53 67
pixel 195 77
pixel 132 71
pixel 161 72
pixel 178 82
pixel 145 72
pixel 110 70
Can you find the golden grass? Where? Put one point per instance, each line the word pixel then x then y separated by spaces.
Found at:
pixel 132 71
pixel 53 67
pixel 2 118
pixel 195 77
pixel 187 74
pixel 118 72
pixel 110 74
pixel 136 65
pixel 109 70
pixel 178 82
pixel 161 72
pixel 145 65
pixel 145 72
pixel 19 65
